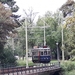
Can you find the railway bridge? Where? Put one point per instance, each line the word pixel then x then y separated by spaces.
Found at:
pixel 42 69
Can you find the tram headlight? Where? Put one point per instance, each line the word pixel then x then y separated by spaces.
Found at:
pixel 47 58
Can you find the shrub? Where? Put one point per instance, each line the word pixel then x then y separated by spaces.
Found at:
pixel 21 62
pixel 9 58
pixel 68 66
pixel 72 59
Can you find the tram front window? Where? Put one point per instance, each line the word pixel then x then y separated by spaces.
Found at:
pixel 41 53
pixel 45 52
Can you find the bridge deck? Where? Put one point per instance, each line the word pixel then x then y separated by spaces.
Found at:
pixel 35 70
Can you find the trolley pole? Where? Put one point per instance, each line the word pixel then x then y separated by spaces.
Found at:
pixel 25 24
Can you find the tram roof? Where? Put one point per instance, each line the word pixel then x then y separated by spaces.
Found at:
pixel 40 48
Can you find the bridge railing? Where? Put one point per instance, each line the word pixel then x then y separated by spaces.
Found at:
pixel 7 65
pixel 31 70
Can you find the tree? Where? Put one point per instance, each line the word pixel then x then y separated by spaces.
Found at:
pixel 52 30
pixel 11 4
pixel 9 58
pixel 29 18
pixel 7 24
pixel 69 9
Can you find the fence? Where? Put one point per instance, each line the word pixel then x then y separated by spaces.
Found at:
pixel 31 70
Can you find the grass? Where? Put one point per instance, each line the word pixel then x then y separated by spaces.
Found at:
pixel 30 63
pixel 23 62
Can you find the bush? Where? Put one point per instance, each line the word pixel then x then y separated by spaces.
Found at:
pixel 9 58
pixel 72 59
pixel 21 63
pixel 68 66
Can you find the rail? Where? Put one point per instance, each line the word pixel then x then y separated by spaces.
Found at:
pixel 30 70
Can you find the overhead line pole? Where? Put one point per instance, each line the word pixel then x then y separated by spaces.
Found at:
pixel 62 45
pixel 25 24
pixel 44 35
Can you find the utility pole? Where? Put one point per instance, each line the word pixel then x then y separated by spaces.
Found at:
pixel 57 52
pixel 62 45
pixel 44 35
pixel 25 24
pixel 29 19
pixel 62 37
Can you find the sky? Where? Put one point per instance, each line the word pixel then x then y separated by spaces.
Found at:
pixel 40 6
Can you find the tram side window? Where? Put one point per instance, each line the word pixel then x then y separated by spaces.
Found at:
pixel 34 53
pixel 45 52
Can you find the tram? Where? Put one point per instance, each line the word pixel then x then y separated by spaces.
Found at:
pixel 41 55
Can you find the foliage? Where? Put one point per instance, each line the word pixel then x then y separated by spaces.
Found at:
pixel 52 30
pixel 11 4
pixel 68 10
pixel 8 57
pixel 49 23
pixel 70 72
pixel 72 52
pixel 7 24
pixel 23 63
pixel 68 67
pixel 20 46
pixel 19 42
pixel 70 34
pixel 72 59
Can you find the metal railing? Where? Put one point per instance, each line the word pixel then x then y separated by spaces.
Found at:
pixel 31 70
